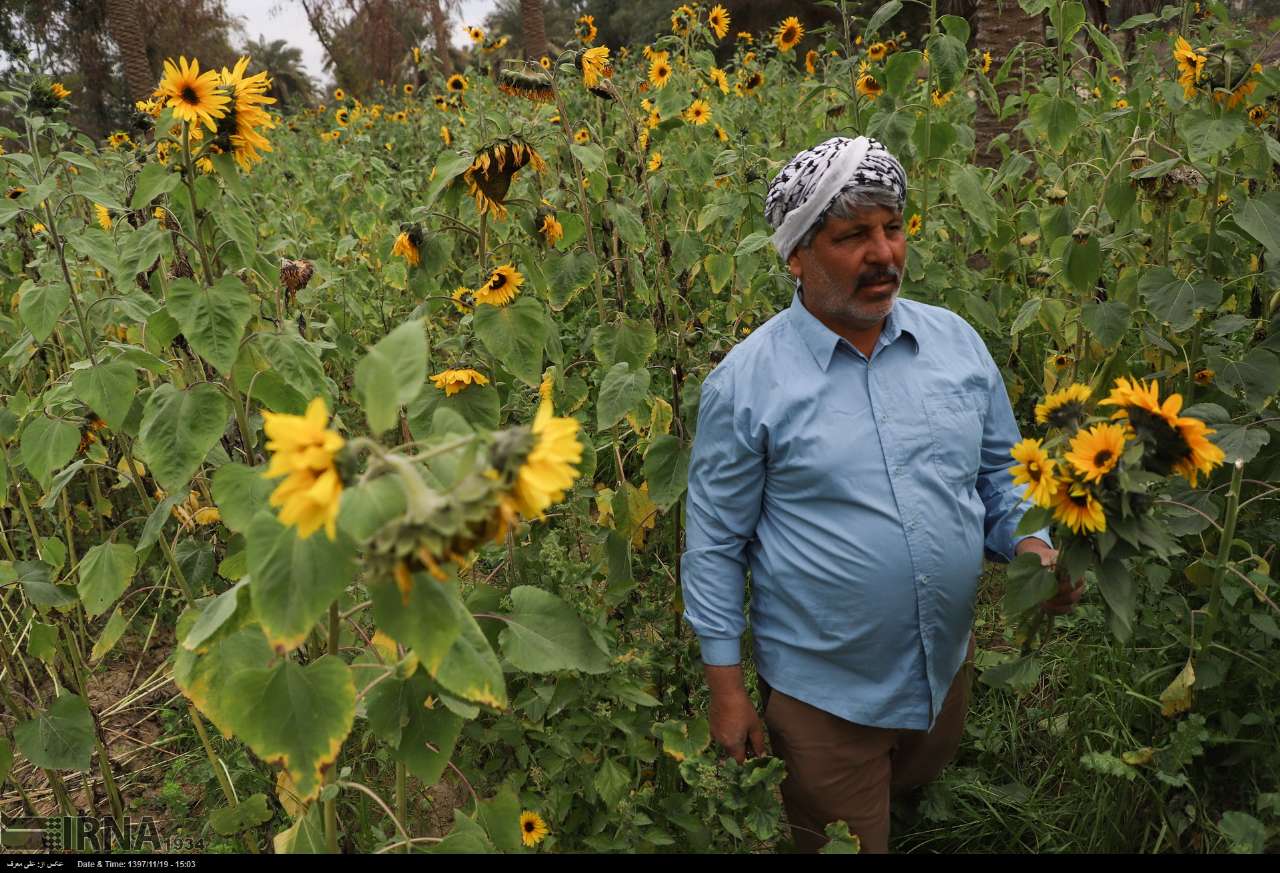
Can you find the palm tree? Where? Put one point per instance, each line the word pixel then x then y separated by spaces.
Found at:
pixel 122 20
pixel 290 84
pixel 534 29
pixel 1000 32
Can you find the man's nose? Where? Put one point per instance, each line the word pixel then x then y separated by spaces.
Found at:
pixel 878 249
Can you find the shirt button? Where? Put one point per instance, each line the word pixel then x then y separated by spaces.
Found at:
pixel 922 579
pixel 897 470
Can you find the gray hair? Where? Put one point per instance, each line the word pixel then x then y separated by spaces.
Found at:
pixel 847 204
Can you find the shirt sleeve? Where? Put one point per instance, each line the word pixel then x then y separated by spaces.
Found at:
pixel 726 484
pixel 1004 501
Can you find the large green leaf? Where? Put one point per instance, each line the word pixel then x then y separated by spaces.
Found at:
pixel 971 193
pixel 1175 299
pixel 1260 218
pixel 108 389
pixel 47 445
pixel 228 821
pixel 666 469
pixel 1055 117
pixel 296 364
pixel 622 390
pixel 1108 321
pixel 471 669
pixel 424 618
pixel 1253 377
pixel 628 339
pixel 294 580
pixel 212 319
pixel 61 738
pixel 294 716
pixel 516 335
pixel 105 572
pixel 629 226
pixel 202 675
pixel 479 405
pixel 1082 262
pixel 392 374
pixel 1027 584
pixel 948 56
pixel 1121 595
pixel 36 579
pixel 1207 135
pixel 240 493
pixel 154 180
pixel 40 307
pixel 544 634
pixel 178 430
pixel 420 737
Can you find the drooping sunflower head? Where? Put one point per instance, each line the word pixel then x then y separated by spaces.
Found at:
pixel 59 91
pixel 303 450
pixel 659 71
pixel 454 380
pixel 868 86
pixel 585 28
pixel 193 96
pixel 103 215
pixel 501 287
pixel 1035 470
pixel 790 32
pixel 1066 409
pixel 549 467
pixel 719 78
pixel 877 51
pixel 548 225
pixel 240 131
pixel 593 64
pixel 493 168
pixel 408 244
pixel 493 45
pixel 811 62
pixel 531 86
pixel 1257 114
pixel 753 82
pixel 986 63
pixel 655 162
pixel 682 20
pixel 1096 451
pixel 718 21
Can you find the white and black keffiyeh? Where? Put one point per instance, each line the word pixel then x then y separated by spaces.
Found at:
pixel 800 195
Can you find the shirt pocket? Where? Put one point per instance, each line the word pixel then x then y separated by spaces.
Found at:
pixel 955 422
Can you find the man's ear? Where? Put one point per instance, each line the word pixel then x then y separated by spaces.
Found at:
pixel 793 263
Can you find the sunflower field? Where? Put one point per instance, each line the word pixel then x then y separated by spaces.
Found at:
pixel 344 452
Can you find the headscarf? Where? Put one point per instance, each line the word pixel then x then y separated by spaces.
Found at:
pixel 800 195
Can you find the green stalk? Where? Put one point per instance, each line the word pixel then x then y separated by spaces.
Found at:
pixel 331 776
pixel 1224 554
pixel 218 772
pixel 402 797
pixel 72 653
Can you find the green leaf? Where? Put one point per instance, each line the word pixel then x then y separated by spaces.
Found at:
pixel 932 140
pixel 449 167
pixel 719 266
pixel 305 836
pixel 622 390
pixel 956 26
pixel 666 469
pixel 948 57
pixel 1067 20
pixel 544 634
pixel 154 180
pixel 515 335
pixel 971 193
pixel 590 155
pixel 882 15
pixel 392 374
pixel 231 820
pixel 1207 135
pixel 156 521
pixel 683 739
pixel 1055 117
pixel 1260 218
pixel 420 737
pixel 1175 300
pixel 111 633
pixel 294 716
pixel 1027 584
pixel 1083 263
pixel 6 758
pixel 60 738
pixel 612 782
pixel 900 71
pixel 1018 674
pixel 627 339
pixel 36 579
pixel 1245 834
pixel 202 676
pixel 108 389
pixel 471 669
pixel 294 580
pixel 1108 321
pixel 212 319
pixel 214 615
pixel 42 641
pixel 628 224
pixel 424 618
pixel 1121 595
pixel 240 492
pixel 178 430
pixel 40 307
pixel 479 405
pixel 47 445
pixel 1254 377
pixel 105 572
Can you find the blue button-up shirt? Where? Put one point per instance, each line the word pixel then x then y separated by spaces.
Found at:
pixel 861 493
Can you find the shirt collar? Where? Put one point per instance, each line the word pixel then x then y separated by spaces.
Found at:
pixel 823 341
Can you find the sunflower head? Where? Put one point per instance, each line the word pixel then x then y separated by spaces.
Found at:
pixel 457 83
pixel 1066 408
pixel 699 112
pixel 193 96
pixel 659 71
pixel 877 51
pixel 476 34
pixel 914 224
pixel 1034 470
pixel 533 829
pixel 593 63
pixel 493 168
pixel 303 450
pixel 718 21
pixel 501 287
pixel 585 28
pixel 408 244
pixel 682 20
pixel 790 32
pixel 530 86
pixel 869 87
pixel 454 380
pixel 1076 506
pixel 548 225
pixel 1096 451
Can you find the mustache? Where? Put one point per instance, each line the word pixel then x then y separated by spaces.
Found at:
pixel 878 275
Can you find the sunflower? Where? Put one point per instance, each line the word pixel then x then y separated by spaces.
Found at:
pixel 868 86
pixel 986 63
pixel 342 116
pixel 453 381
pixel 811 62
pixel 552 231
pixel 594 64
pixel 941 98
pixel 193 96
pixel 790 32
pixel 119 140
pixel 545 63
pixel 532 828
pixel 586 29
pixel 1075 506
pixel 718 21
pixel 550 467
pixel 914 224
pixel 59 91
pixel 877 51
pixel 1257 114
pixel 103 215
pixel 655 162
pixel 537 88
pixel 582 136
pixel 1064 408
pixel 476 34
pixel 699 112
pixel 744 36
pixel 1204 377
pixel 660 71
pixel 457 83
pixel 753 83
pixel 1190 66
pixel 1035 470
pixel 501 287
pixel 720 78
pixel 408 89
pixel 408 245
pixel 339 94
pixel 1096 451
pixel 682 19
pixel 445 136
pixel 494 45
pixel 464 299
pixel 240 132
pixel 492 170
pixel 1173 442
pixel 1237 96
pixel 303 449
pixel 1201 455
pixel 721 134
pixel 1120 104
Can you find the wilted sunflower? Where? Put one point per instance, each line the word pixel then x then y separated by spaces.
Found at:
pixel 744 36
pixel 582 136
pixel 721 134
pixel 445 136
pixel 941 98
pixel 501 287
pixel 790 32
pixel 1065 408
pixel 682 20
pixel 453 381
pixel 811 62
pixel 1257 114
pixel 193 96
pixel 585 28
pixel 655 162
pixel 752 83
pixel 719 78
pixel 1190 66
pixel 877 51
pixel 594 64
pixel 1075 506
pixel 660 71
pixel 494 45
pixel 408 245
pixel 240 131
pixel 868 86
pixel 457 83
pixel 1096 451
pixel 492 170
pixel 718 21
pixel 303 449
pixel 551 465
pixel 535 87
pixel 103 214
pixel 1035 470
pixel 699 112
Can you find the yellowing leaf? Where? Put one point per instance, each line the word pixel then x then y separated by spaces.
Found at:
pixel 1177 697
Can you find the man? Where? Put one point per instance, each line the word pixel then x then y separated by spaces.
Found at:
pixel 854 454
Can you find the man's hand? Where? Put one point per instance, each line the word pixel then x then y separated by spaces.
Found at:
pixel 735 724
pixel 1068 592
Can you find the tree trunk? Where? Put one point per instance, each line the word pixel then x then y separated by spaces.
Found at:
pixel 535 30
pixel 440 27
pixel 999 32
pixel 122 20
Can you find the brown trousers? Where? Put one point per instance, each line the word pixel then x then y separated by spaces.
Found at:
pixel 838 770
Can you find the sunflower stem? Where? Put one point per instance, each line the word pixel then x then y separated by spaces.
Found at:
pixel 402 798
pixel 1224 554
pixel 331 775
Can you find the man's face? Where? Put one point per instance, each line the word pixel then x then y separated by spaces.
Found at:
pixel 852 272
